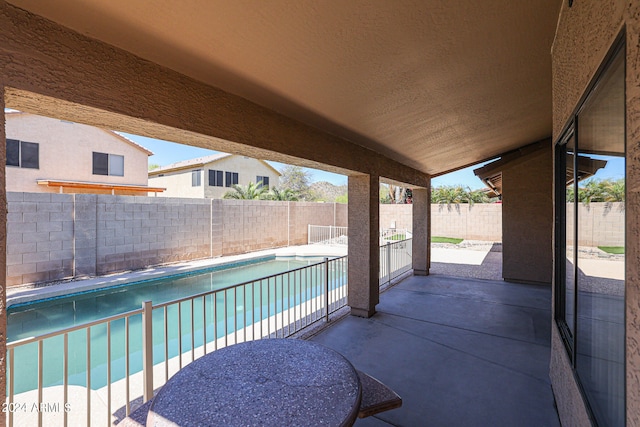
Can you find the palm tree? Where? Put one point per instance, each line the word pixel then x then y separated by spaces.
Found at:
pixel 478 196
pixel 449 194
pixel 614 190
pixel 249 192
pixel 286 194
pixel 606 190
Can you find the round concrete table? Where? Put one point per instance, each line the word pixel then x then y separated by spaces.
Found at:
pixel 272 382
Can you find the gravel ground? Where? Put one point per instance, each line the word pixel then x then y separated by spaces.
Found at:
pixel 491 268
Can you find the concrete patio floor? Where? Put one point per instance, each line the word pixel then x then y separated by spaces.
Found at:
pixel 459 351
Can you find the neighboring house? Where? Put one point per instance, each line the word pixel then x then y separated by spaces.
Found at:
pixel 57 156
pixel 212 176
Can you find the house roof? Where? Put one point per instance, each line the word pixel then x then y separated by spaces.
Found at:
pixel 198 162
pixel 129 141
pixel 432 84
pixel 491 173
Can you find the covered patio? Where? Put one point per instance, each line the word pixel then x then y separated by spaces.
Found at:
pixel 398 92
pixel 460 352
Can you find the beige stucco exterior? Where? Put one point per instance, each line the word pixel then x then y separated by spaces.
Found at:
pixel 178 181
pixel 527 218
pixel 65 154
pixel 426 89
pixel 585 34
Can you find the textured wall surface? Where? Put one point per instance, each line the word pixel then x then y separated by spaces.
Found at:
pixel 577 54
pixel 57 72
pixel 602 224
pixel 65 153
pixel 40 234
pixel 305 213
pixel 178 183
pixel 464 221
pixel 398 216
pixel 3 260
pixel 252 225
pixel 134 232
pixel 585 34
pixel 527 218
pixel 364 249
pixel 632 273
pixel 570 404
pixel 421 250
pixel 56 236
pixel 474 222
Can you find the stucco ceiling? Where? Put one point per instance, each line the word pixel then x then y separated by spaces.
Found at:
pixel 435 84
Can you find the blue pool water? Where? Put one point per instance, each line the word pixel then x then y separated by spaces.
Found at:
pixel 214 317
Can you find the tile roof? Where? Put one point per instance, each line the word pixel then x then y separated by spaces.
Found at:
pixel 198 161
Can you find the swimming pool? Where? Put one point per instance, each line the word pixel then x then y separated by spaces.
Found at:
pixel 188 324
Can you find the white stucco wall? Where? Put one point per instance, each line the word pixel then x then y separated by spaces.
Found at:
pixel 65 153
pixel 178 183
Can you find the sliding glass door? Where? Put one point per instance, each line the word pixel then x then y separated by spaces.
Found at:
pixel 590 256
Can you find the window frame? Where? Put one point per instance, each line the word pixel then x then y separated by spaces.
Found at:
pixel 570 129
pixel 560 242
pixel 108 169
pixel 196 178
pixel 218 178
pixel 20 146
pixel 262 181
pixel 231 179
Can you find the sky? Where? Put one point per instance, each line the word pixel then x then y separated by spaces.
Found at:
pixel 170 152
pixel 166 152
pixel 464 177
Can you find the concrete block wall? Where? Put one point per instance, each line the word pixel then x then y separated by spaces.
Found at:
pixel 601 224
pixel 484 222
pixel 217 228
pixel 249 225
pixel 464 221
pixel 135 232
pixel 306 213
pixel 401 215
pixel 608 223
pixel 341 212
pixel 40 234
pixel 56 236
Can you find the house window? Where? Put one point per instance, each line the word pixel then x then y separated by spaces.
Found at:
pixel 108 164
pixel 231 178
pixel 262 181
pixel 216 178
pixel 196 178
pixel 590 218
pixel 23 154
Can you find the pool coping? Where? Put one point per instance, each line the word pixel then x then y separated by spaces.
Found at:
pixel 25 294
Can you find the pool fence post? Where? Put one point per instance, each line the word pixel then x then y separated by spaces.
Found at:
pixel 326 287
pixel 389 262
pixel 147 350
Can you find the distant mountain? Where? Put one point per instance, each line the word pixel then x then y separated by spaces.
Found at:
pixel 325 191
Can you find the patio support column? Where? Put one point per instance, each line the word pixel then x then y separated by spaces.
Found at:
pixel 421 242
pixel 3 258
pixel 364 245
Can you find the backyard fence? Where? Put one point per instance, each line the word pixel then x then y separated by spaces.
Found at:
pixel 327 235
pixel 395 260
pixel 58 236
pixel 82 373
pixel 72 371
